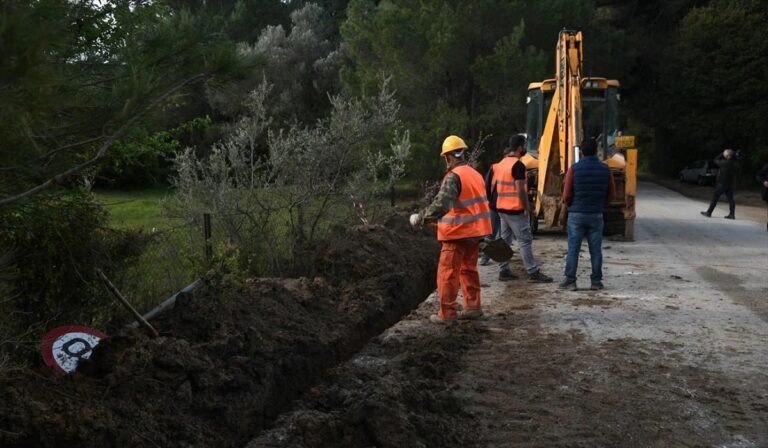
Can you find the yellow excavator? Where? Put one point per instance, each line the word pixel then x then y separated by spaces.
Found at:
pixel 561 112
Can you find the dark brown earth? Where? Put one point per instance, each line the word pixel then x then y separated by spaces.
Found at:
pixel 671 354
pixel 393 394
pixel 231 359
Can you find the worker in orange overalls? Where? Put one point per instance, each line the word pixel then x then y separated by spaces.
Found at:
pixel 461 212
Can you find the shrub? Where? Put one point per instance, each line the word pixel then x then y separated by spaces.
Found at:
pixel 142 161
pixel 275 208
pixel 50 248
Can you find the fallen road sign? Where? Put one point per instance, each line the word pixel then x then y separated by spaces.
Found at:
pixel 64 347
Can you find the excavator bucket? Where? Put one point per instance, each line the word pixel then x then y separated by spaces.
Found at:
pixel 497 250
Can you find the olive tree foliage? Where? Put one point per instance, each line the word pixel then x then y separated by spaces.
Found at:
pixel 273 208
pixel 301 63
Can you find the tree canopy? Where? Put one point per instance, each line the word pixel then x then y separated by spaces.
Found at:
pixel 692 72
pixel 74 73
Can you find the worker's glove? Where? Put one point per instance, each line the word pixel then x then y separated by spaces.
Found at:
pixel 415 220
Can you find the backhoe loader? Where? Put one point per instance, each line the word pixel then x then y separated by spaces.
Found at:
pixel 561 113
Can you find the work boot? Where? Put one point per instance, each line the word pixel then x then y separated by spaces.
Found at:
pixel 539 277
pixel 707 214
pixel 729 217
pixel 507 275
pixel 568 284
pixel 435 319
pixel 597 286
pixel 471 315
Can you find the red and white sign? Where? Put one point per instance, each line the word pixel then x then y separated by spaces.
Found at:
pixel 64 347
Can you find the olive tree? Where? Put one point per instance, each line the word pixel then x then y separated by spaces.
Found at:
pixel 274 208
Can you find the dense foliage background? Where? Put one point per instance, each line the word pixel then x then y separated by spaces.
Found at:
pixel 73 73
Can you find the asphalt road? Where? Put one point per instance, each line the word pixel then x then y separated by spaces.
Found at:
pixel 674 352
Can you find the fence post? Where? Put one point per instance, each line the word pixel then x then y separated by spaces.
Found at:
pixel 207 235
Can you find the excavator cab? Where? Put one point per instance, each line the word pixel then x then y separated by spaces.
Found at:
pixel 600 113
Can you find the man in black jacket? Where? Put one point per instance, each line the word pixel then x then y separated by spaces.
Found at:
pixel 726 177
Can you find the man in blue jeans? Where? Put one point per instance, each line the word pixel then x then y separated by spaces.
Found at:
pixel 587 191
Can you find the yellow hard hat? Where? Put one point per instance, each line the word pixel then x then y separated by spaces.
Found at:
pixel 452 143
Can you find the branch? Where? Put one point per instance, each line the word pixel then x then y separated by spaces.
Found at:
pixel 102 152
pixel 71 145
pixel 318 216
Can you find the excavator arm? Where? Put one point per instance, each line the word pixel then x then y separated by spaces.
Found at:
pixel 562 130
pixel 574 97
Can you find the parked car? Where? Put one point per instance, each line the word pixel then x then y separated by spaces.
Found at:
pixel 703 172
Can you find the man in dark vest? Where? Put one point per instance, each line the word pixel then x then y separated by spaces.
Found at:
pixel 587 191
pixel 726 176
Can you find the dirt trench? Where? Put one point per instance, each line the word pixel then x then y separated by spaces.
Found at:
pixel 232 359
pixel 398 392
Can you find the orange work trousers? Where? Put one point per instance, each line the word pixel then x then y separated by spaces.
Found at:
pixel 458 266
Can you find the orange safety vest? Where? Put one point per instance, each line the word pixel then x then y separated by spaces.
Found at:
pixel 470 216
pixel 507 197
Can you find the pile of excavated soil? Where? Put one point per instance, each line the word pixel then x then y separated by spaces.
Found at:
pixel 231 359
pixel 392 394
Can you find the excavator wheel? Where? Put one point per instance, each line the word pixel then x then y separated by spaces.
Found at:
pixel 613 221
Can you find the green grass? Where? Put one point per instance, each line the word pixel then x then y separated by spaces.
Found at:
pixel 136 209
pixel 164 266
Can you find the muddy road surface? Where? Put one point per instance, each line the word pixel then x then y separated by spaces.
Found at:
pixel 674 352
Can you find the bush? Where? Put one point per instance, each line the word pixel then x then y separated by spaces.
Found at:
pixel 275 208
pixel 50 248
pixel 143 161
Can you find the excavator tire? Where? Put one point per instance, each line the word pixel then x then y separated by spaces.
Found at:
pixel 613 221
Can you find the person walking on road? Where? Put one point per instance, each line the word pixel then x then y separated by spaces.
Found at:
pixel 507 189
pixel 462 214
pixel 762 176
pixel 726 176
pixel 588 189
